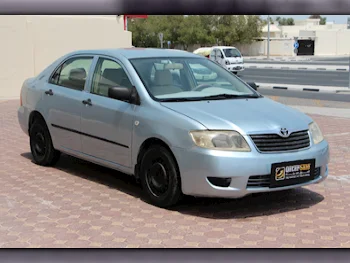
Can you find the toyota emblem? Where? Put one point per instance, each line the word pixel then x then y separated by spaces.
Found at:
pixel 284 132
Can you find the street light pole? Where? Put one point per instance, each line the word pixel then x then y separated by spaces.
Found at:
pixel 268 36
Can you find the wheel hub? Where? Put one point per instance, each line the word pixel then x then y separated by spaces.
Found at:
pixel 39 144
pixel 157 179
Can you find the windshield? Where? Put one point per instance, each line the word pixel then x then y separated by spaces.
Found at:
pixel 232 53
pixel 189 78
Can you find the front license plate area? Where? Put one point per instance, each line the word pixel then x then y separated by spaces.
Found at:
pixel 292 173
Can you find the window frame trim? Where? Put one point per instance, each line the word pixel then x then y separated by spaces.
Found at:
pixel 88 88
pixel 92 56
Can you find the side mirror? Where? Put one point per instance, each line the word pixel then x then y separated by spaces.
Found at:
pixel 253 85
pixel 222 56
pixel 124 94
pixel 120 93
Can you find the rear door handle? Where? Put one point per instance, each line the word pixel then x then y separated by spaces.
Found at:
pixel 87 102
pixel 49 92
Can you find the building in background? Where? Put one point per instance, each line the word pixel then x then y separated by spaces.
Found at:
pixel 313 39
pixel 30 43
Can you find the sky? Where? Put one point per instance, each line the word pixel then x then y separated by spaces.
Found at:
pixel 338 19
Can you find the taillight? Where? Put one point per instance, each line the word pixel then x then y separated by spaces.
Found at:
pixel 207 56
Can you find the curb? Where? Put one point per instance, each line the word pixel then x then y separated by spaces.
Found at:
pixel 277 59
pixel 296 68
pixel 309 89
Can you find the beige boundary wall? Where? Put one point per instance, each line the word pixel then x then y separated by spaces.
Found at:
pixel 30 43
pixel 332 43
pixel 278 47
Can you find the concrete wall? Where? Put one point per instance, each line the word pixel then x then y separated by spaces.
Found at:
pixel 30 43
pixel 332 43
pixel 343 41
pixel 281 47
pixel 254 49
pixel 278 47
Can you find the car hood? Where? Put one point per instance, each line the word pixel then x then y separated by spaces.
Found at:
pixel 244 115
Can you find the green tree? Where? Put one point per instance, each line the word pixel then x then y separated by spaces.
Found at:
pixel 144 32
pixel 315 17
pixel 264 22
pixel 194 29
pixel 323 20
pixel 285 21
pixel 237 29
pixel 191 31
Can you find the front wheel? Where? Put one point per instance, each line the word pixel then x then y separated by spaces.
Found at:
pixel 41 146
pixel 160 177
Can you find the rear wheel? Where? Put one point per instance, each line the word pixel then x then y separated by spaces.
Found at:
pixel 160 177
pixel 41 144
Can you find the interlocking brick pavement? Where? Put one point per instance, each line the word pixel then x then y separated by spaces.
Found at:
pixel 79 204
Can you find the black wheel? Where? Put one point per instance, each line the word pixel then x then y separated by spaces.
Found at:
pixel 236 73
pixel 41 145
pixel 160 177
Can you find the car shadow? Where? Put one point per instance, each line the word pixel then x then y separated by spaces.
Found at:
pixel 255 205
pixel 96 173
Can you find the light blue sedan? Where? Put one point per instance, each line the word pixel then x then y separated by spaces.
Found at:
pixel 146 113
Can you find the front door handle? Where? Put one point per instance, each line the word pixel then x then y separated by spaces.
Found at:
pixel 49 92
pixel 87 102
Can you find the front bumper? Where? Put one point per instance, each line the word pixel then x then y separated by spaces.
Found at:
pixel 235 67
pixel 197 164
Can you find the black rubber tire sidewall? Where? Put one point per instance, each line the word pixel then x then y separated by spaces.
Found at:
pixel 51 156
pixel 174 192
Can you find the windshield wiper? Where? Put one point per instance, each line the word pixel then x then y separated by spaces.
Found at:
pixel 213 97
pixel 229 96
pixel 180 99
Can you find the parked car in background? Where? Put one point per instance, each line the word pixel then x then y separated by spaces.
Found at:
pixel 126 110
pixel 226 56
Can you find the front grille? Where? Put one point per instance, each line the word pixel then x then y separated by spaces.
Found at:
pixel 256 181
pixel 276 143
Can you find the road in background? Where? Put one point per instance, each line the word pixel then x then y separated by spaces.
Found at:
pixel 343 60
pixel 312 62
pixel 296 77
pixel 331 59
pixel 305 98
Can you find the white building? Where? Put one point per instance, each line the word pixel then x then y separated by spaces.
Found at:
pixel 313 39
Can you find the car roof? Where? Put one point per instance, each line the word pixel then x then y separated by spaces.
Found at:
pixel 224 47
pixel 131 53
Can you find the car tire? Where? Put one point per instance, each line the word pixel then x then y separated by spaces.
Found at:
pixel 41 146
pixel 160 177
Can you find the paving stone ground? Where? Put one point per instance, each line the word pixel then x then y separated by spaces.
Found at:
pixel 79 204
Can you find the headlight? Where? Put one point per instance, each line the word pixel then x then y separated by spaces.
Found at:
pixel 315 132
pixel 220 140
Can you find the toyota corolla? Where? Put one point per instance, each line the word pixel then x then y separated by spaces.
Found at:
pixel 146 113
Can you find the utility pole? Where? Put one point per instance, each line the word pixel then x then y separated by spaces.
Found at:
pixel 160 35
pixel 268 36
